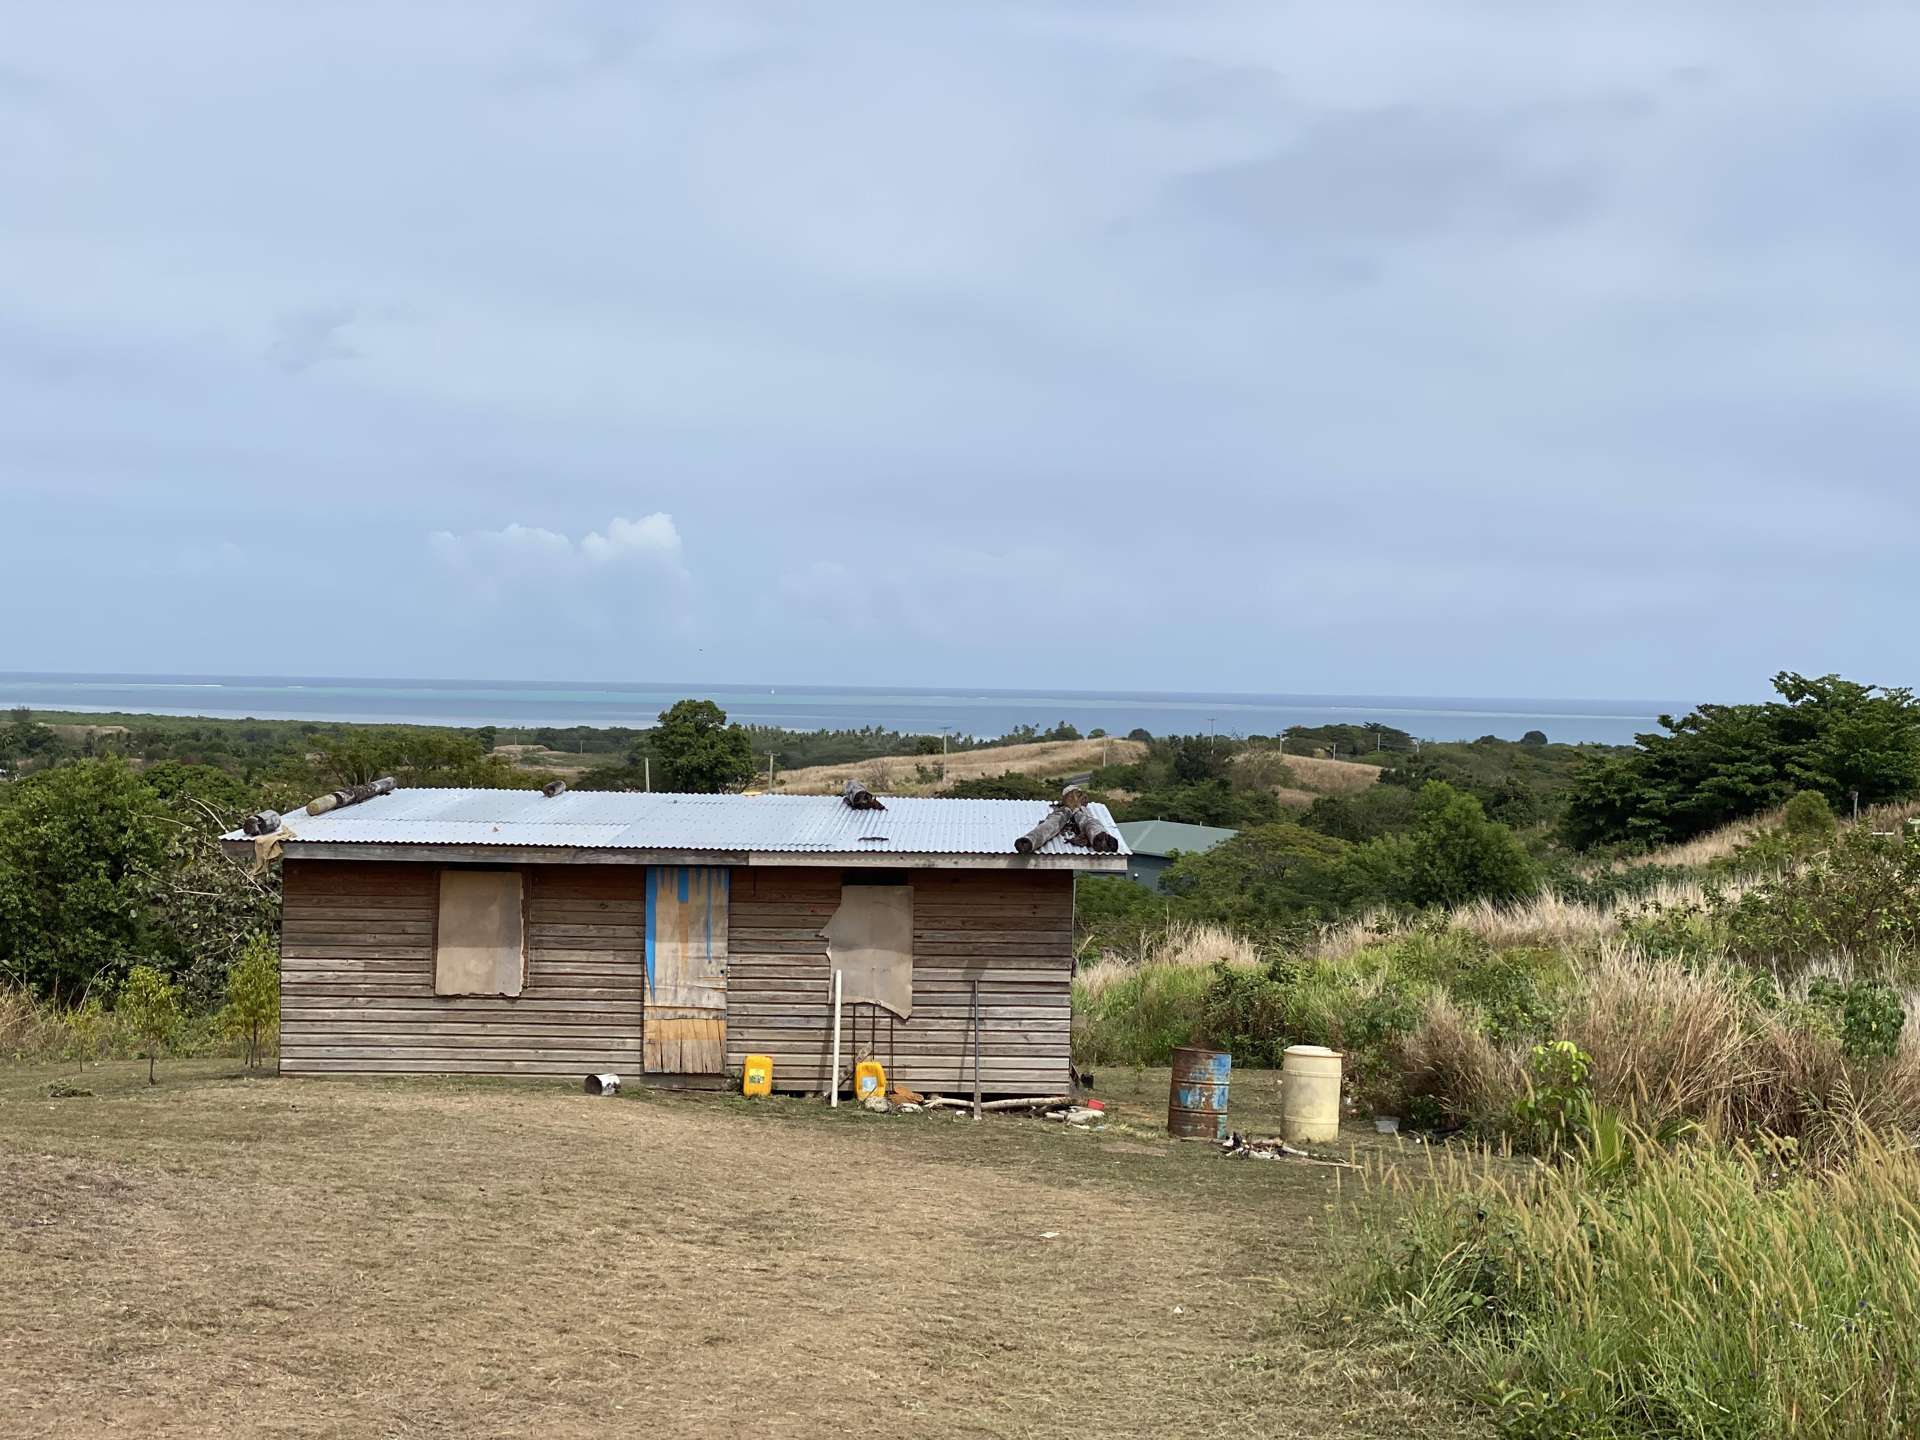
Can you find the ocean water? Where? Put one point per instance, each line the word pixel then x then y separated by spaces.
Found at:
pixel 923 711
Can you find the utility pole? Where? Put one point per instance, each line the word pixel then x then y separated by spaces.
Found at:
pixel 648 763
pixel 769 772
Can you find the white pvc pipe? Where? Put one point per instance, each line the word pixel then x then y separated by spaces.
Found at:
pixel 833 1093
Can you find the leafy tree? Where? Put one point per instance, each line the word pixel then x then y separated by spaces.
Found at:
pixel 1112 912
pixel 413 755
pixel 208 903
pixel 83 848
pixel 1271 875
pixel 253 995
pixel 84 1023
pixel 1347 740
pixel 1208 802
pixel 149 1006
pixel 1012 785
pixel 1534 737
pixel 1366 815
pixel 1196 759
pixel 1452 855
pixel 696 751
pixel 1721 763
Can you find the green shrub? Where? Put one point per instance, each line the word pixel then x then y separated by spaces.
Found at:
pixel 1244 1012
pixel 1141 1019
pixel 1867 1016
pixel 1860 899
pixel 1808 818
pixel 1613 887
pixel 1687 932
pixel 1453 855
pixel 1557 1111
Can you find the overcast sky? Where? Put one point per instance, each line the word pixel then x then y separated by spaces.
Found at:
pixel 1405 350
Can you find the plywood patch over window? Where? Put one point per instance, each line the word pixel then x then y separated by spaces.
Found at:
pixel 480 943
pixel 870 941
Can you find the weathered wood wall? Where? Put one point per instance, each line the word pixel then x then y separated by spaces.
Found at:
pixel 356 976
pixel 1010 930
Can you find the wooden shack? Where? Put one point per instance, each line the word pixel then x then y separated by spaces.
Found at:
pixel 491 932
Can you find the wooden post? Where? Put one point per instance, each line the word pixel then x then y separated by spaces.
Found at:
pixel 833 1094
pixel 976 1049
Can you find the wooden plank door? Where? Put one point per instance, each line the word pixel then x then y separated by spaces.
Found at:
pixel 685 1028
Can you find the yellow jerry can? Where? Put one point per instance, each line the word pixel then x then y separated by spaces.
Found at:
pixel 757 1077
pixel 869 1080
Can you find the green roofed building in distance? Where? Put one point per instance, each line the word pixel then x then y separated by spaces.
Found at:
pixel 1155 843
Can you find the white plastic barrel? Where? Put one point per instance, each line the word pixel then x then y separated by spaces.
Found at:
pixel 1310 1094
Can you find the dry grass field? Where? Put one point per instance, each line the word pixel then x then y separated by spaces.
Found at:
pixel 900 774
pixel 1320 776
pixel 261 1257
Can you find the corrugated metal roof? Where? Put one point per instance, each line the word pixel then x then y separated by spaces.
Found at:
pixel 910 825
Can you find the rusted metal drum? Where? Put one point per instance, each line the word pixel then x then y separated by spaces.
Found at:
pixel 1197 1101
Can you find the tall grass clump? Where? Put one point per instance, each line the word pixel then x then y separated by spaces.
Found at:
pixel 1718 1047
pixel 30 1029
pixel 1137 1007
pixel 1545 919
pixel 33 1030
pixel 1701 1291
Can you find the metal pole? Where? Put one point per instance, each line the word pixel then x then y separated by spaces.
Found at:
pixel 648 762
pixel 833 1083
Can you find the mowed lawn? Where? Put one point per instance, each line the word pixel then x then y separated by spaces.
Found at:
pixel 231 1256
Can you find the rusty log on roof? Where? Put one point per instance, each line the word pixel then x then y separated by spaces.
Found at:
pixel 859 797
pixel 350 795
pixel 1088 831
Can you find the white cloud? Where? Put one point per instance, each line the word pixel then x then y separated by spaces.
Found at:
pixel 651 542
pixel 650 537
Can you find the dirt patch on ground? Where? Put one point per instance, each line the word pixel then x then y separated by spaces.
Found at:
pixel 419 1258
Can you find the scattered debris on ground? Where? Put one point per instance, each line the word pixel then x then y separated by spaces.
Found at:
pixel 66 1090
pixel 1243 1147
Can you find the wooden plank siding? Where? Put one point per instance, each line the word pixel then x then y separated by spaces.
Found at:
pixel 356 976
pixel 1011 931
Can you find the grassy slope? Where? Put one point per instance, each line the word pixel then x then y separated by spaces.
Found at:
pixel 898 773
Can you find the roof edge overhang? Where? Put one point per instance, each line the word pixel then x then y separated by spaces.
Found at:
pixel 588 855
